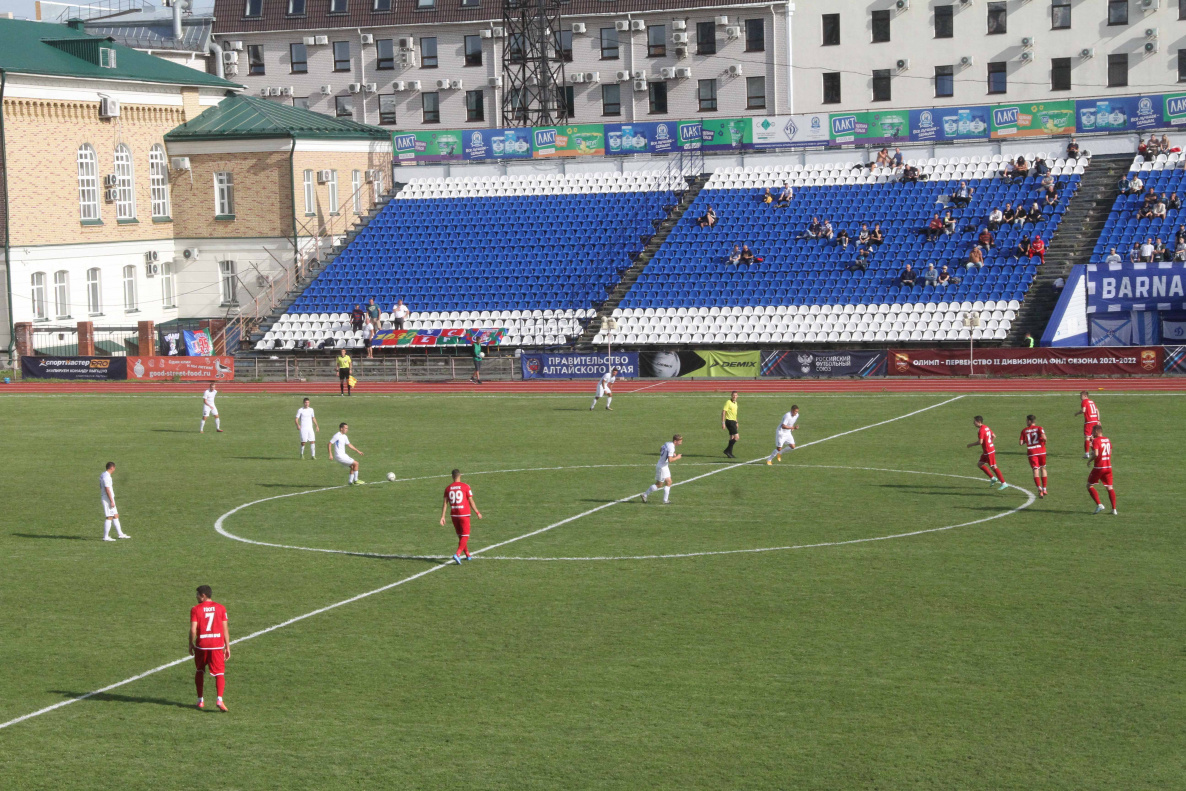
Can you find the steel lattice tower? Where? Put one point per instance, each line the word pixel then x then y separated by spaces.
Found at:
pixel 532 69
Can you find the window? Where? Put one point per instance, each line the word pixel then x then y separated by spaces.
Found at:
pixel 158 180
pixel 755 35
pixel 471 4
pixel 224 194
pixel 310 194
pixel 228 282
pixel 515 48
pixel 88 185
pixel 125 184
pixel 356 190
pixel 706 38
pixel 341 56
pixel 831 87
pixel 385 54
pixel 1060 74
pixel 657 41
pixel 755 93
pixel 332 185
pixel 428 52
pixel 425 5
pixel 1060 14
pixel 387 104
pixel 565 101
pixel 475 105
pixel 1117 12
pixel 996 18
pixel 519 103
pixel 609 43
pixel 1118 70
pixel 611 98
pixel 62 294
pixel 1182 65
pixel 998 80
pixel 343 106
pixel 944 81
pixel 106 58
pixel 337 6
pixel 564 46
pixel 658 97
pixel 377 186
pixel 94 292
pixel 944 21
pixel 1181 9
pixel 296 7
pixel 300 102
pixel 706 96
pixel 130 302
pixel 298 58
pixel 38 296
pixel 255 59
pixel 881 26
pixel 831 30
pixel 382 5
pixel 473 50
pixel 430 103
pixel 254 8
pixel 881 85
pixel 168 286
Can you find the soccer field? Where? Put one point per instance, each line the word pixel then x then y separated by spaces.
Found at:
pixel 907 627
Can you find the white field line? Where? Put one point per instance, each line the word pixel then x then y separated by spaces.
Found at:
pixel 803 395
pixel 432 569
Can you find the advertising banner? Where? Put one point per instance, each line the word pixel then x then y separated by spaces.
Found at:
pixel 726 134
pixel 780 131
pixel 950 123
pixel 1113 288
pixel 669 365
pixel 1118 114
pixel 1033 119
pixel 543 365
pixel 427 146
pixel 141 369
pixel 1175 360
pixel 577 140
pixel 482 144
pixel 807 364
pixel 867 128
pixel 650 137
pixel 1174 108
pixel 1027 362
pixel 450 337
pixel 80 369
pixel 198 343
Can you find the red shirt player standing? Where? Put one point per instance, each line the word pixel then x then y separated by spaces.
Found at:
pixel 1091 419
pixel 209 642
pixel 1101 470
pixel 459 499
pixel 1033 439
pixel 988 452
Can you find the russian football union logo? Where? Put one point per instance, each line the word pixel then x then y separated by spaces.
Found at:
pixel 805 361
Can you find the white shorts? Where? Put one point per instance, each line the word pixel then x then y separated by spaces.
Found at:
pixel 108 509
pixel 307 435
pixel 662 473
pixel 344 460
pixel 207 411
pixel 783 438
pixel 602 391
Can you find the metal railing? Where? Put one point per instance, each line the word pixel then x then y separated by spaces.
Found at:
pixel 63 341
pixel 385 369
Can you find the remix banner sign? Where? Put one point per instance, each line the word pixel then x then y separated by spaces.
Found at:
pixel 651 137
pixel 871 128
pixel 577 140
pixel 482 144
pixel 950 123
pixel 1033 119
pixel 781 131
pixel 726 134
pixel 669 365
pixel 1027 362
pixel 1118 114
pixel 807 364
pixel 543 365
pixel 79 369
pixel 450 337
pixel 149 368
pixel 1113 288
pixel 427 146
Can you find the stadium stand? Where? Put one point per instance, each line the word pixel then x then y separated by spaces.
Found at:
pixel 802 289
pixel 1125 227
pixel 531 254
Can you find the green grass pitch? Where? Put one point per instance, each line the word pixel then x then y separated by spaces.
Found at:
pixel 1042 649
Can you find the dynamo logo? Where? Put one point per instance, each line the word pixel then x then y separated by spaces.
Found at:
pixel 790 130
pixel 405 142
pixel 545 137
pixel 844 124
pixel 689 132
pixel 1005 116
pixel 1176 105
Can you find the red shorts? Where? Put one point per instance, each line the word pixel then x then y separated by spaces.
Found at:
pixel 461 525
pixel 215 658
pixel 1037 460
pixel 1100 475
pixel 1088 428
pixel 989 458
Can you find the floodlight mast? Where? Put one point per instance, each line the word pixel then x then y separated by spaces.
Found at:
pixel 532 64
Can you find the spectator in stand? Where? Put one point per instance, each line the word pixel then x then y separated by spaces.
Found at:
pixel 814 229
pixel 896 161
pixel 948 224
pixel 1041 169
pixel 1159 208
pixel 876 237
pixel 842 239
pixel 399 314
pixel 1134 253
pixel 828 232
pixel 1175 202
pixel 1009 171
pixel 1147 250
pixel 1145 212
pixel 1113 257
pixel 735 256
pixel 1135 185
pixel 1038 248
pixel 862 261
pixel 944 278
pixel 995 218
pixel 1010 215
pixel 931 276
pixel 907 277
pixel 1023 246
pixel 1072 149
pixel 986 239
pixel 368 337
pixel 963 195
pixel 373 312
pixel 1180 250
pixel 1142 148
pixel 1149 198
pixel 356 317
pixel 910 174
pixel 1047 182
pixel 767 198
pixel 747 255
pixel 784 197
pixel 1124 185
pixel 1051 199
pixel 975 258
pixel 1058 285
pixel 1164 145
pixel 863 236
pixel 1160 253
pixel 883 158
pixel 934 228
pixel 1035 214
pixel 1028 341
pixel 1181 234
pixel 709 219
pixel 1023 169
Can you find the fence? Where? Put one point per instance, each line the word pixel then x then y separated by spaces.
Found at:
pixel 387 369
pixel 63 341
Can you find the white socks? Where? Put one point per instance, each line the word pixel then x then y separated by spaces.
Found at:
pixel 609 401
pixel 353 477
pixel 302 450
pixel 654 488
pixel 594 405
pixel 107 529
pixel 666 493
pixel 203 426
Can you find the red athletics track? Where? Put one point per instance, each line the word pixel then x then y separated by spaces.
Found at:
pixel 644 386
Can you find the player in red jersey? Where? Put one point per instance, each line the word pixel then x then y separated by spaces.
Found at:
pixel 1033 439
pixel 1091 419
pixel 209 642
pixel 988 452
pixel 1101 470
pixel 459 499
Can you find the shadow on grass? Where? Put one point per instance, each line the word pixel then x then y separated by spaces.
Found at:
pixel 174 431
pixel 47 535
pixel 265 458
pixel 112 698
pixel 284 485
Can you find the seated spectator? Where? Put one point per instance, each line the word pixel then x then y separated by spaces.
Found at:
pixel 1175 202
pixel 945 278
pixel 930 276
pixel 1142 148
pixel 934 228
pixel 863 236
pixel 1009 171
pixel 963 195
pixel 896 161
pixel 814 229
pixel 1034 214
pixel 1051 200
pixel 1135 186
pixel 1164 145
pixel 1181 234
pixel 876 237
pixel 709 219
pixel 735 255
pixel 1041 169
pixel 828 232
pixel 767 198
pixel 784 197
pixel 1147 250
pixel 862 261
pixel 1149 198
pixel 1153 148
pixel 1038 248
pixel 976 257
pixel 1113 257
pixel 948 224
pixel 909 174
pixel 1160 253
pixel 1058 285
pixel 1145 212
pixel 747 255
pixel 986 239
pixel 842 239
pixel 995 218
pixel 1023 169
pixel 883 158
pixel 1023 246
pixel 1159 209
pixel 1180 250
pixel 1124 185
pixel 356 317
pixel 1072 149
pixel 1134 253
pixel 907 277
pixel 1047 181
pixel 1009 215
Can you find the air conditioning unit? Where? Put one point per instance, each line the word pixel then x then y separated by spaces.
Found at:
pixel 1150 47
pixel 679 38
pixel 735 70
pixel 190 254
pixel 371 87
pixel 398 85
pixel 667 73
pixel 263 281
pixel 722 20
pixel 230 70
pixel 230 57
pixel 637 24
pixel 108 108
pixel 494 82
pixel 265 91
pixel 285 91
pixel 151 257
pixel 1027 42
pixel 578 27
pixel 1151 32
pixel 681 52
pixel 683 73
pixel 354 87
pixel 902 5
pixel 372 176
pixel 237 46
pixel 367 38
pixel 414 85
pixel 321 41
pixel 407 57
pixel 326 90
pixel 406 42
pixel 1026 56
pixel 640 74
pixel 732 32
pixel 1087 52
pixel 679 24
pixel 442 84
pixel 592 76
pixel 109 195
pixel 965 2
pixel 152 270
pixel 640 85
pixel 622 25
pixel 901 64
pixel 487 33
pixel 180 163
pixel 323 176
pixel 110 180
pixel 623 76
pixel 1149 5
pixel 310 41
pixel 457 85
pixel 499 32
pixel 966 61
pixel 576 78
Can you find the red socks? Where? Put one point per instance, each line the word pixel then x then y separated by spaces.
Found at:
pixel 1112 497
pixel 987 471
pixel 220 682
pixel 463 545
pixel 199 679
pixel 1044 480
pixel 1000 477
pixel 1094 496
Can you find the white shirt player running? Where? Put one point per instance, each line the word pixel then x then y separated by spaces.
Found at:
pixel 340 441
pixel 662 470
pixel 783 436
pixel 305 416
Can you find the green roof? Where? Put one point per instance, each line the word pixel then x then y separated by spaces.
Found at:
pixel 60 50
pixel 249 117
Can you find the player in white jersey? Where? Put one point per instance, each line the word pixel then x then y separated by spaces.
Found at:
pixel 667 455
pixel 783 436
pixel 209 409
pixel 605 388
pixel 337 452
pixel 110 512
pixel 306 423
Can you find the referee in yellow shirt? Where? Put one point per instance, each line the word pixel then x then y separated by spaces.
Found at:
pixel 729 422
pixel 345 369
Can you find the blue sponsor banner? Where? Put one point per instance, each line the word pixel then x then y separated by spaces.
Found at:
pixel 1113 288
pixel 480 144
pixel 651 137
pixel 545 365
pixel 1119 114
pixel 950 123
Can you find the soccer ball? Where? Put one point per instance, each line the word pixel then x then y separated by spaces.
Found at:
pixel 391 476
